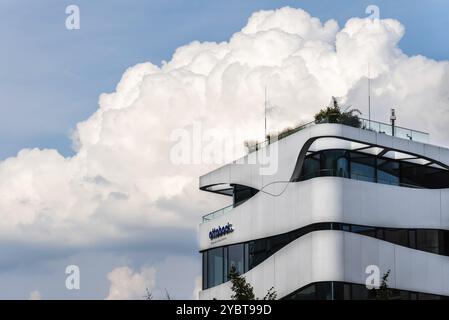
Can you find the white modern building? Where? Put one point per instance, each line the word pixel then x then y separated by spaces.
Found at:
pixel 341 200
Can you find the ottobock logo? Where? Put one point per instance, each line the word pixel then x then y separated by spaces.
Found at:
pixel 220 231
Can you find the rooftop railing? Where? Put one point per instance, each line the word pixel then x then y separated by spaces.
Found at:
pixel 371 125
pixel 218 213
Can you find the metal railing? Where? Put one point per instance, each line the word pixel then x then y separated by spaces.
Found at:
pixel 371 125
pixel 399 132
pixel 218 213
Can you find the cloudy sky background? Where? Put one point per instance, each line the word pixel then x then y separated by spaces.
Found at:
pixel 102 102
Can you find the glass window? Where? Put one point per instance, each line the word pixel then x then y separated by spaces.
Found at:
pixel 363 167
pixel 235 258
pixel 204 270
pixel 242 193
pixel 437 178
pixel 427 296
pixel 367 231
pixel 324 290
pixel 347 291
pixel 277 242
pixel 444 242
pixel 397 236
pixel 359 292
pixel 334 163
pixel 311 168
pixel 307 293
pixel 225 264
pixel 339 291
pixel 215 267
pixel 412 175
pixel 380 234
pixel 246 256
pixel 412 238
pixel 388 172
pixel 427 240
pixel 257 252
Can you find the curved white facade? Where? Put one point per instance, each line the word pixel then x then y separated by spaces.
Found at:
pixel 331 255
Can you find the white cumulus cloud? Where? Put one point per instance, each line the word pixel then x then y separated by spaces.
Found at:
pixel 127 284
pixel 121 183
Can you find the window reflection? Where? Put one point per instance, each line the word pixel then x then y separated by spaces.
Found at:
pixel 236 258
pixel 215 261
pixel 351 291
pixel 218 262
pixel 334 163
pixel 363 167
pixel 366 167
pixel 388 172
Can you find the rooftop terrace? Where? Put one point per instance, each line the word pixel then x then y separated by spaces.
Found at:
pixel 376 126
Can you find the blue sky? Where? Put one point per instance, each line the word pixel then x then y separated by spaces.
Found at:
pixel 51 78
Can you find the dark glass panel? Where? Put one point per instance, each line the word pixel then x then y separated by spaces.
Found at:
pixel 437 178
pixel 235 258
pixel 352 291
pixel 276 243
pixel 246 257
pixel 372 294
pixel 444 242
pixel 215 267
pixel 204 270
pixel 388 172
pixel 252 253
pixel 311 168
pixel 257 250
pixel 334 163
pixel 380 234
pixel 359 292
pixel 427 296
pixel 413 175
pixel 324 290
pixel 225 263
pixel 242 193
pixel 396 236
pixel 404 295
pixel 347 291
pixel 367 231
pixel 307 293
pixel 427 240
pixel 339 291
pixel 363 167
pixel 412 239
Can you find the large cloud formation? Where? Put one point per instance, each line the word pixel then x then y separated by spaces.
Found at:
pixel 122 184
pixel 129 285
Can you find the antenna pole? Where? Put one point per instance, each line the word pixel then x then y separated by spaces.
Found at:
pixel 369 97
pixel 265 110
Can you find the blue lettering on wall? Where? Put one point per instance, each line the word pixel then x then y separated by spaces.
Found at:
pixel 220 231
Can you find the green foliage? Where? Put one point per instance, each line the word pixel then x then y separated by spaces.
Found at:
pixel 384 292
pixel 242 290
pixel 148 295
pixel 333 114
pixel 271 294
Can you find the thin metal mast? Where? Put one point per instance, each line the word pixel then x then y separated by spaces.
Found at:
pixel 265 110
pixel 369 97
